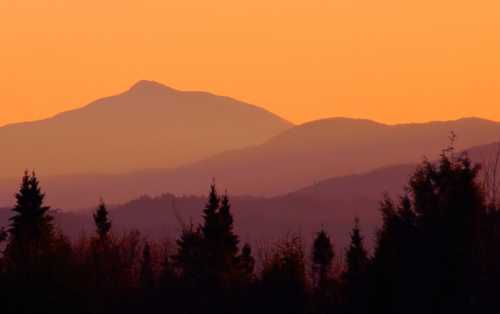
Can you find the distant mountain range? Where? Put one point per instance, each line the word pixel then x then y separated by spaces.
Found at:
pixel 153 140
pixel 332 204
pixel 148 126
pixel 322 149
pixel 295 158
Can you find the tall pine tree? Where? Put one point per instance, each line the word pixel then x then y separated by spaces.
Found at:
pixel 246 263
pixel 356 255
pixel 282 287
pixel 102 221
pixel 146 273
pixel 211 226
pixel 355 276
pixel 220 243
pixel 30 256
pixel 230 240
pixel 31 229
pixel 322 258
pixel 189 259
pixel 322 261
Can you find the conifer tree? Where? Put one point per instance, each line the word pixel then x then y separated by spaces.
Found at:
pixel 430 244
pixel 283 282
pixel 395 265
pixel 168 282
pixel 167 272
pixel 211 221
pixel 212 239
pixel 102 221
pixel 29 257
pixel 217 247
pixel 192 268
pixel 220 244
pixel 247 262
pixel 230 239
pixel 356 256
pixel 322 259
pixel 103 256
pixel 31 229
pixel 450 207
pixel 324 288
pixel 146 273
pixel 189 255
pixel 355 276
pixel 31 220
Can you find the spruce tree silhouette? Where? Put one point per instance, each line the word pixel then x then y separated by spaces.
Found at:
pixel 212 239
pixel 31 230
pixel 283 280
pixel 243 292
pixel 188 257
pixel 356 255
pixel 220 243
pixel 230 239
pixel 323 283
pixel 31 222
pixel 102 221
pixel 167 273
pixel 449 205
pixel 220 250
pixel 103 259
pixel 355 275
pixel 431 244
pixel 170 286
pixel 247 263
pixel 322 259
pixel 211 220
pixel 189 262
pixel 146 274
pixel 395 267
pixel 31 255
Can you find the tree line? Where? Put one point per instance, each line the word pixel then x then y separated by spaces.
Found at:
pixel 437 251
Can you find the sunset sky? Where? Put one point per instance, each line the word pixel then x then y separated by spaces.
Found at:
pixel 387 60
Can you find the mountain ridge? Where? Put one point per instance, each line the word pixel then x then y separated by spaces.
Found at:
pixel 148 126
pixel 330 203
pixel 264 170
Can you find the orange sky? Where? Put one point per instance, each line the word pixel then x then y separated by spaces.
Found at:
pixel 388 60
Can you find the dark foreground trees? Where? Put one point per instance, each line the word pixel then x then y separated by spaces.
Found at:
pixel 36 263
pixel 437 251
pixel 430 249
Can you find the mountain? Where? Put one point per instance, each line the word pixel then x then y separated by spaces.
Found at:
pixel 321 149
pixel 332 203
pixel 370 185
pixel 296 158
pixel 148 126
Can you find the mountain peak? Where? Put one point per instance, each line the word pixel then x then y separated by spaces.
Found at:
pixel 145 85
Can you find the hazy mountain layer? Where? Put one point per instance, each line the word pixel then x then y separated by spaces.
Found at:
pixel 297 158
pixel 332 202
pixel 148 126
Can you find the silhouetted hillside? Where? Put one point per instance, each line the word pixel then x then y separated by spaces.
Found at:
pixel 148 126
pixel 163 216
pixel 332 202
pixel 369 185
pixel 322 149
pixel 297 158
